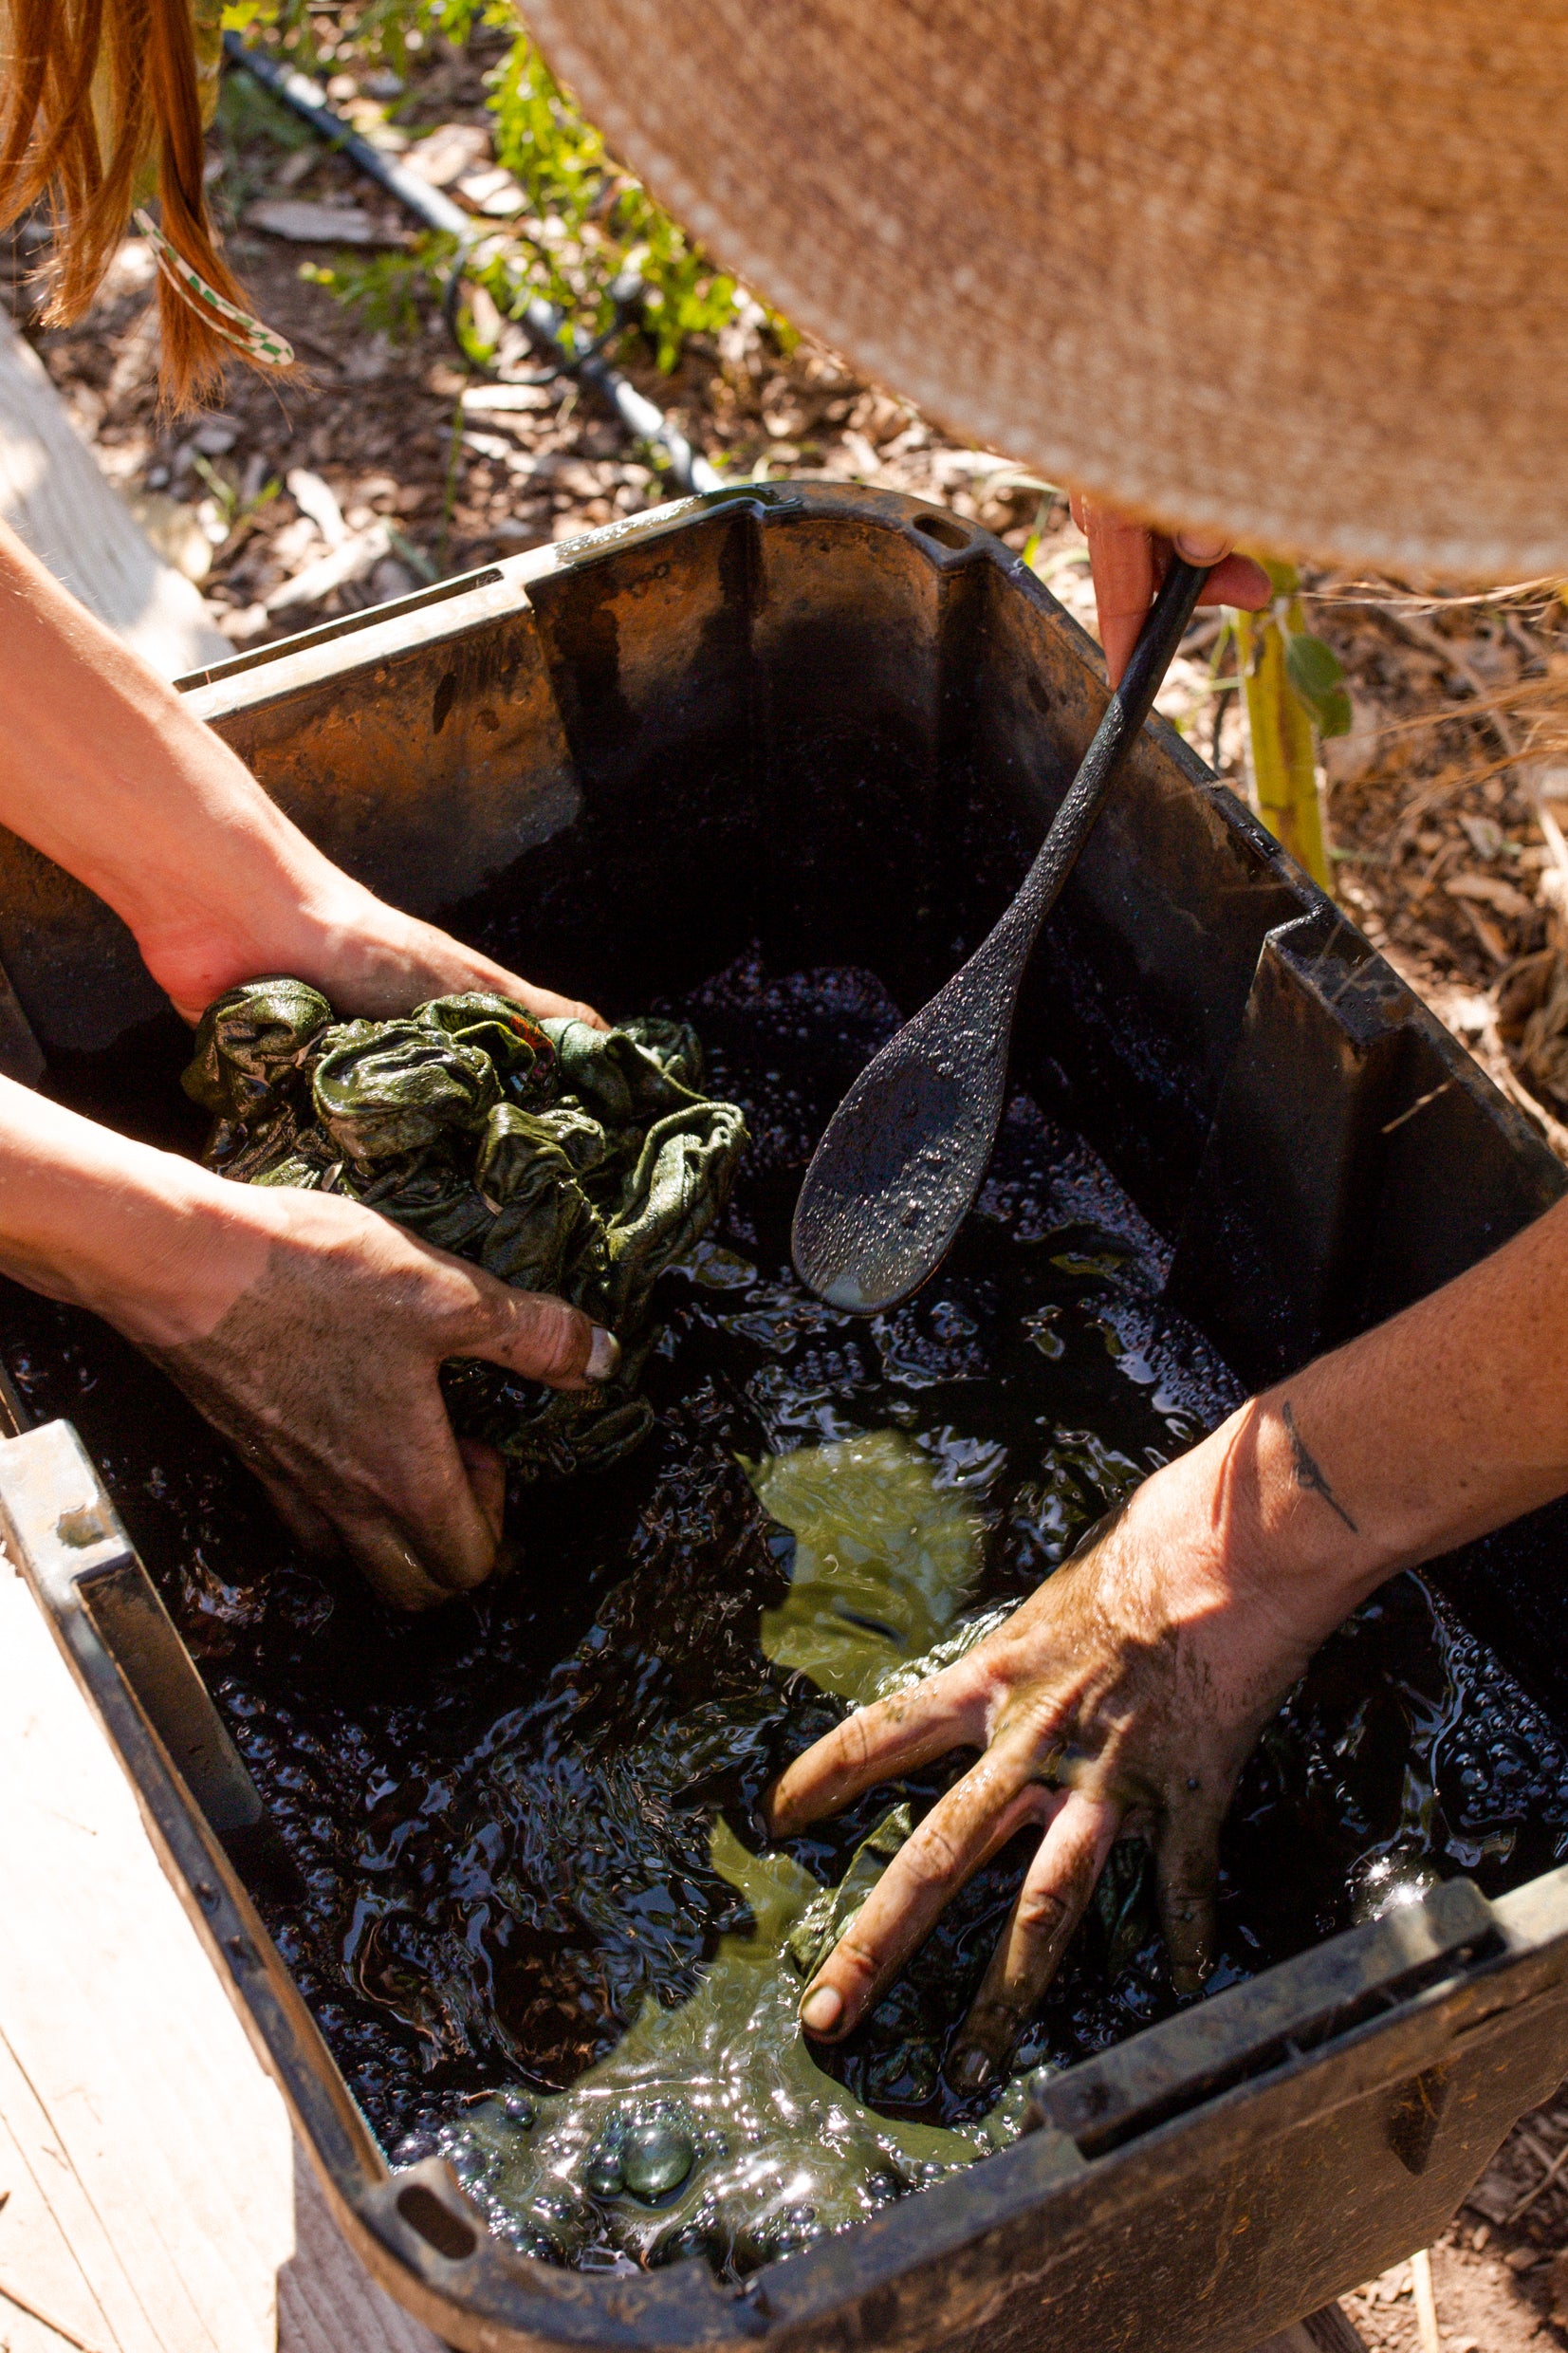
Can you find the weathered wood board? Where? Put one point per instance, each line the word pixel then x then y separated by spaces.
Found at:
pixel 156 2201
pixel 57 502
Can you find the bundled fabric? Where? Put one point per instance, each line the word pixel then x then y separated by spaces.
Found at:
pixel 558 1157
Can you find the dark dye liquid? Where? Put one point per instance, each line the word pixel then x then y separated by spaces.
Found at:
pixel 525 1829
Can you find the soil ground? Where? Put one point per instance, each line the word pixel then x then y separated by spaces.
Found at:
pixel 1431 802
pixel 1499 2271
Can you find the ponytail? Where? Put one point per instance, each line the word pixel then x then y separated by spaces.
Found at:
pixel 100 105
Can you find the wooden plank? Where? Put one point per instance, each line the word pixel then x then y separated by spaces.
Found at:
pixel 113 2316
pixel 37 2261
pixel 160 2204
pixel 1331 2330
pixel 57 502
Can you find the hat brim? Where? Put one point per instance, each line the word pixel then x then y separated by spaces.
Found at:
pixel 1293 269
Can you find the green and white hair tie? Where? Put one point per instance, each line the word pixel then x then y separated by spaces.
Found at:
pixel 258 343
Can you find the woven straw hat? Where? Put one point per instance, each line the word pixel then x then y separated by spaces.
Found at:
pixel 1297 269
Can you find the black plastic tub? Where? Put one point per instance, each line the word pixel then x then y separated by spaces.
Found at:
pixel 837 722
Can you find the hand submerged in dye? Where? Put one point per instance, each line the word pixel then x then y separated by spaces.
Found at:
pixel 309 1331
pixel 322 1373
pixel 1124 1695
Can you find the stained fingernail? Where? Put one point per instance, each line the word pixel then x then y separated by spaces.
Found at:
pixel 970 2068
pixel 603 1356
pixel 821 2010
pixel 1202 546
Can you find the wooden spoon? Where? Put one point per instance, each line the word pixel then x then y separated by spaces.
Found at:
pixel 903 1156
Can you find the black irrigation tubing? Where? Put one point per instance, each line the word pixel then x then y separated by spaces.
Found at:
pixel 542 321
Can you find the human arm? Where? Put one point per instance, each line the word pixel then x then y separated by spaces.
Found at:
pixel 104 769
pixel 310 1330
pixel 1130 1688
pixel 1128 562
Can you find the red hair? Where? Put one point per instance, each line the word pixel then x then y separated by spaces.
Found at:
pixel 100 96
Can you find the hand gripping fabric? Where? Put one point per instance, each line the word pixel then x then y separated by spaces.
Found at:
pixel 561 1158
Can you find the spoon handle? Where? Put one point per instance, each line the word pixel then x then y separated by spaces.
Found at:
pixel 1125 713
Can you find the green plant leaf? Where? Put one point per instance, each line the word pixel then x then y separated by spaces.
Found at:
pixel 596 220
pixel 1317 678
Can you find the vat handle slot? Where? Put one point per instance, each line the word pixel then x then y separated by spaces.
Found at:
pixel 1269 2021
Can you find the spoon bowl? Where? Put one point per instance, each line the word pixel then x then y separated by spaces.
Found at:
pixel 902 1158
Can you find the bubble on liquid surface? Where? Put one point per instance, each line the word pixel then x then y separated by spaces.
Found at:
pixel 655 2158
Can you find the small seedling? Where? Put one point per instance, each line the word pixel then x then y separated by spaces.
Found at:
pixel 1293 693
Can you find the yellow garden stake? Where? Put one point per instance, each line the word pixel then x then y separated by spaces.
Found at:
pixel 1282 766
pixel 1293 694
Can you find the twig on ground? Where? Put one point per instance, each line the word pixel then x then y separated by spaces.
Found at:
pixel 1556 1135
pixel 1426 2304
pixel 1554 2166
pixel 1432 641
pixel 1381 602
pixel 56 2327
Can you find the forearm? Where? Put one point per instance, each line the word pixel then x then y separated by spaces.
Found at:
pixel 103 770
pixel 154 1243
pixel 1447 1422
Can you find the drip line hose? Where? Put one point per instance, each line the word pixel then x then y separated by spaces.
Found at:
pixel 539 319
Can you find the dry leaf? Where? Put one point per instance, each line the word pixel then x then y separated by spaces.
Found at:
pixel 1491 891
pixel 450 148
pixel 350 562
pixel 1523 988
pixel 316 224
pixel 1486 932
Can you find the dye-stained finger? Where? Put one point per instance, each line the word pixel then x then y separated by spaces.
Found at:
pixel 1188 1857
pixel 1055 1888
pixel 977 1817
pixel 538 1336
pixel 419 1505
pixel 544 1005
pixel 878 1743
pixel 382 1554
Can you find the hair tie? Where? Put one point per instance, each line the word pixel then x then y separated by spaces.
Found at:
pixel 259 342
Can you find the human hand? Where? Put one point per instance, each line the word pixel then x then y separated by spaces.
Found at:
pixel 308 1329
pixel 103 768
pixel 368 959
pixel 1125 1694
pixel 311 1332
pixel 1129 560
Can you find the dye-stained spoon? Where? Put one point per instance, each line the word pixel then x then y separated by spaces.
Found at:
pixel 903 1156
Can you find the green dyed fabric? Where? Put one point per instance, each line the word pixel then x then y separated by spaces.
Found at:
pixel 558 1157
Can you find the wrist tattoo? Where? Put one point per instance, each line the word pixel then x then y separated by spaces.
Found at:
pixel 1309 1473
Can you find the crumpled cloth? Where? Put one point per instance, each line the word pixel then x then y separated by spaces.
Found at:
pixel 558 1157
